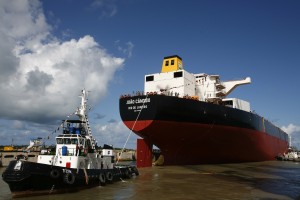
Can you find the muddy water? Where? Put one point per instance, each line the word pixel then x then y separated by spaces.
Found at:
pixel 261 180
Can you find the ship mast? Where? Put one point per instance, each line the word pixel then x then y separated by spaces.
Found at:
pixel 81 112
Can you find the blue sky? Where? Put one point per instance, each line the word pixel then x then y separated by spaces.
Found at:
pixel 50 50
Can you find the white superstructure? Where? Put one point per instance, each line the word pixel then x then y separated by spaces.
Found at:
pixel 76 147
pixel 175 81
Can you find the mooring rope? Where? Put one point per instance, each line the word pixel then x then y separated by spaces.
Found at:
pixel 86 176
pixel 52 188
pixel 132 129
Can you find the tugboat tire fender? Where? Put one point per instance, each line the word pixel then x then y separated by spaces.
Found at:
pixel 102 178
pixel 54 173
pixel 69 178
pixel 109 176
pixel 21 157
pixel 127 173
pixel 135 171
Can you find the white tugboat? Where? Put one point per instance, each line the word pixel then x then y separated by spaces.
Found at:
pixel 75 165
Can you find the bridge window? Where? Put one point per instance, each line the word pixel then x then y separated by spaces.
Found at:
pixel 149 78
pixel 59 140
pixel 81 142
pixel 67 141
pixel 228 103
pixel 172 62
pixel 167 63
pixel 177 74
pixel 74 141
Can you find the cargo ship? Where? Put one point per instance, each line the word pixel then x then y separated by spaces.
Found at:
pixel 190 118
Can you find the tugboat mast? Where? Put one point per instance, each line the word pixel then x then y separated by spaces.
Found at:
pixel 82 114
pixel 81 111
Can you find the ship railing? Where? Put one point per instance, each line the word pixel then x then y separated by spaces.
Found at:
pixel 162 92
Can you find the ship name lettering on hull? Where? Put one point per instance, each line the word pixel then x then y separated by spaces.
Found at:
pixel 135 108
pixel 136 101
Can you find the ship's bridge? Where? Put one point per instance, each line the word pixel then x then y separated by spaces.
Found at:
pixel 175 81
pixel 171 64
pixel 73 138
pixel 69 144
pixel 74 127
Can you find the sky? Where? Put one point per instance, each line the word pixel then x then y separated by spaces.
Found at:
pixel 51 50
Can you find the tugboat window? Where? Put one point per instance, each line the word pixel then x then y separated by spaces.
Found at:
pixel 149 78
pixel 59 140
pixel 67 141
pixel 172 62
pixel 177 74
pixel 167 63
pixel 81 142
pixel 74 141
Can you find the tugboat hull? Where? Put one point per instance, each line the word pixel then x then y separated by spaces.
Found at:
pixel 29 179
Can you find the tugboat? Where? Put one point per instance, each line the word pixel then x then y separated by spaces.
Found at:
pixel 76 164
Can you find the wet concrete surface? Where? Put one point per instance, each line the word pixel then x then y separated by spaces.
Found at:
pixel 260 180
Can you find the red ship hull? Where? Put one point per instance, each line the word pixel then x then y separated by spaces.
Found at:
pixel 191 143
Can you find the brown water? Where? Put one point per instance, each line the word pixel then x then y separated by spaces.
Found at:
pixel 261 180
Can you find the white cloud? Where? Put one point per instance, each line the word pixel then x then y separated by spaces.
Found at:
pixel 127 50
pixel 18 124
pixel 294 132
pixel 41 76
pixel 291 128
pixel 21 132
pixel 23 20
pixel 115 133
pixel 107 8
